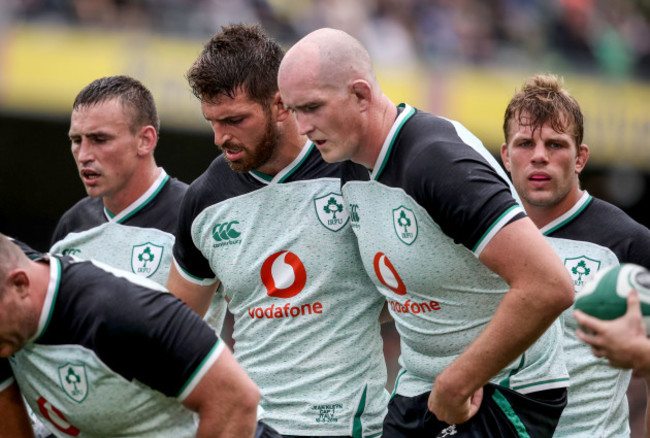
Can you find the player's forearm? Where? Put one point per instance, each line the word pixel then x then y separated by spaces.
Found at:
pixel 234 417
pixel 518 322
pixel 640 358
pixel 239 424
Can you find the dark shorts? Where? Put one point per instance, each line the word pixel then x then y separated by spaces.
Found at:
pixel 504 413
pixel 314 436
pixel 265 431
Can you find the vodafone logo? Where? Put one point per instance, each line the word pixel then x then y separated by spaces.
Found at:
pixel 56 417
pixel 283 275
pixel 387 274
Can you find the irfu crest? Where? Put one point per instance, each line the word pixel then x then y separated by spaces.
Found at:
pixel 405 224
pixel 331 211
pixel 145 258
pixel 581 269
pixel 74 381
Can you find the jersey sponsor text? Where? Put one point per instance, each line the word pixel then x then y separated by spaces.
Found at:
pixel 286 311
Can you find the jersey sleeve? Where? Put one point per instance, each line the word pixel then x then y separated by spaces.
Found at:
pixel 463 193
pixel 151 336
pixel 168 343
pixel 191 263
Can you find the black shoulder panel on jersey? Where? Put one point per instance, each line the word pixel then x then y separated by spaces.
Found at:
pixel 607 225
pixel 30 252
pixel 86 214
pixel 139 333
pixel 215 185
pixel 459 188
pixel 162 211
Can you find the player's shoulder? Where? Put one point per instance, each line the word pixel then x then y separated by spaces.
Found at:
pixel 87 206
pixel 613 216
pixel 30 252
pixel 176 188
pixel 424 128
pixel 87 213
pixel 216 184
pixel 87 286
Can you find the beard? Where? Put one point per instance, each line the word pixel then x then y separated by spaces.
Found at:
pixel 258 155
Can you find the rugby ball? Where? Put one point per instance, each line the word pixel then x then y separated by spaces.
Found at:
pixel 604 296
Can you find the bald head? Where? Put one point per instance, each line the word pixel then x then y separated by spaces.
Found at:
pixel 11 256
pixel 332 55
pixel 327 80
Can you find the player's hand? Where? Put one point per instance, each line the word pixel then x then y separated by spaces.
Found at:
pixel 454 412
pixel 622 341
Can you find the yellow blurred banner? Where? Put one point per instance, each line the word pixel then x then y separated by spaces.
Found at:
pixel 43 68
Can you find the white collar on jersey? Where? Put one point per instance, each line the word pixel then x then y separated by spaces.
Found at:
pixel 287 171
pixel 141 201
pixel 406 113
pixel 568 216
pixel 50 296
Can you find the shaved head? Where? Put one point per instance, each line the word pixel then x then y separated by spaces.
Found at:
pixel 11 256
pixel 333 55
pixel 327 80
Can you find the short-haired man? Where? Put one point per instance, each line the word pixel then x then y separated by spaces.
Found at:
pixel 96 351
pixel 545 154
pixel 130 215
pixel 268 221
pixel 441 236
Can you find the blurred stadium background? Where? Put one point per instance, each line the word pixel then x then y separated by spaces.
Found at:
pixel 462 59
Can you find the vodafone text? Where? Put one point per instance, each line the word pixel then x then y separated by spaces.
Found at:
pixel 411 307
pixel 286 311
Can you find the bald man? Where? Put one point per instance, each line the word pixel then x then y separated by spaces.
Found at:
pixel 440 233
pixel 96 351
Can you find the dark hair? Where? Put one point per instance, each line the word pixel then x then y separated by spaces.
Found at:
pixel 133 95
pixel 239 56
pixel 544 99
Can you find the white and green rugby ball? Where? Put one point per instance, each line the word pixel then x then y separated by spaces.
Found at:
pixel 605 295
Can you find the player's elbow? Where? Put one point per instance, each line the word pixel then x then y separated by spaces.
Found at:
pixel 247 400
pixel 563 292
pixel 251 400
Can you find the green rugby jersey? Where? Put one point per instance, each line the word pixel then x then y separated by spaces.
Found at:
pixel 433 201
pixel 589 237
pixel 306 314
pixel 122 369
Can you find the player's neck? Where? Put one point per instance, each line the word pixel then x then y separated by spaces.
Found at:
pixel 137 187
pixel 378 129
pixel 543 215
pixel 290 145
pixel 40 278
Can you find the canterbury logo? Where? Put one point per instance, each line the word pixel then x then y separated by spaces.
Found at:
pixel 283 275
pixel 387 274
pixel 225 231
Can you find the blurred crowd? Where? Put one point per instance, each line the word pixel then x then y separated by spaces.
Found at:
pixel 604 37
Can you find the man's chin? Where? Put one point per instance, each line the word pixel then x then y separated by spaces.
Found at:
pixel 239 166
pixel 94 192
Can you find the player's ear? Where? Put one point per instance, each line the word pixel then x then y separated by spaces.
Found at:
pixel 582 157
pixel 505 156
pixel 362 92
pixel 147 139
pixel 18 281
pixel 277 105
